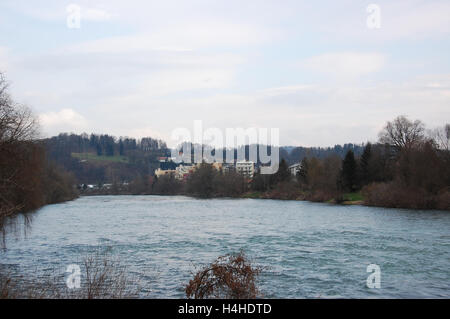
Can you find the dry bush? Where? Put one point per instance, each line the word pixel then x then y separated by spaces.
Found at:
pixel 322 177
pixel 284 190
pixel 6 287
pixel 201 182
pixel 395 195
pixel 322 195
pixel 19 287
pixel 229 276
pixel 230 184
pixel 168 185
pixel 102 277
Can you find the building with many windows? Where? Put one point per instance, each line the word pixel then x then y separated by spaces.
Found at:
pixel 246 168
pixel 295 168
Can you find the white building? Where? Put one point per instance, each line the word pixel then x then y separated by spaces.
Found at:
pixel 294 169
pixel 228 167
pixel 246 168
pixel 183 171
pixel 159 172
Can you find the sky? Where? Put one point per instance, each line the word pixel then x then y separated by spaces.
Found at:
pixel 317 70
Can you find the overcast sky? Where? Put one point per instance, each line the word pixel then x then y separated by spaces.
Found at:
pixel 314 69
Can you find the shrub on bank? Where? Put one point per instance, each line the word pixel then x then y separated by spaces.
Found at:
pixel 394 195
pixel 284 191
pixel 103 277
pixel 230 277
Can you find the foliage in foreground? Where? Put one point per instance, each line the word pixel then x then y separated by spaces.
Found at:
pixel 229 276
pixel 102 276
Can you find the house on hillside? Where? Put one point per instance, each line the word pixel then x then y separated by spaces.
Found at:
pixel 183 171
pixel 295 168
pixel 246 168
pixel 161 172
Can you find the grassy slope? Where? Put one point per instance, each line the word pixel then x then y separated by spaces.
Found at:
pixel 357 196
pixel 103 158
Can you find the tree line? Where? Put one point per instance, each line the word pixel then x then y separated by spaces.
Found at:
pixel 140 156
pixel 102 144
pixel 408 167
pixel 28 180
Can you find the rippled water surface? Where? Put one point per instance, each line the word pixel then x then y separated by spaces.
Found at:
pixel 310 250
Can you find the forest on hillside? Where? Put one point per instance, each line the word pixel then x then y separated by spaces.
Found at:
pixel 99 159
pixel 409 167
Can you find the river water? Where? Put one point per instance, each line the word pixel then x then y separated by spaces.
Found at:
pixel 309 250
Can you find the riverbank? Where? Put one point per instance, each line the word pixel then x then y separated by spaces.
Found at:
pixel 346 199
pixel 355 198
pixel 297 195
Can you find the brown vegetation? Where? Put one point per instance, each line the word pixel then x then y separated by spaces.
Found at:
pixel 102 277
pixel 27 180
pixel 230 277
pixel 167 185
pixel 419 167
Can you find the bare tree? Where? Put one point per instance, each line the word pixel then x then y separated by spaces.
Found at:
pixel 441 137
pixel 402 133
pixel 17 127
pixel 17 122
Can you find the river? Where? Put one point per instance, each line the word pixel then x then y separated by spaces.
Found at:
pixel 309 250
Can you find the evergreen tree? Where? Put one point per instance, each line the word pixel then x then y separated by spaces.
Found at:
pixel 260 182
pixel 349 174
pixel 302 175
pixel 110 148
pixel 121 148
pixel 283 174
pixel 99 150
pixel 365 165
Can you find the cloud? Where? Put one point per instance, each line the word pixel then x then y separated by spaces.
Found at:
pixel 181 36
pixel 172 81
pixel 286 90
pixel 146 132
pixel 66 120
pixel 306 114
pixel 95 14
pixel 5 59
pixel 410 20
pixel 53 10
pixel 345 65
pixel 416 19
pixel 160 65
